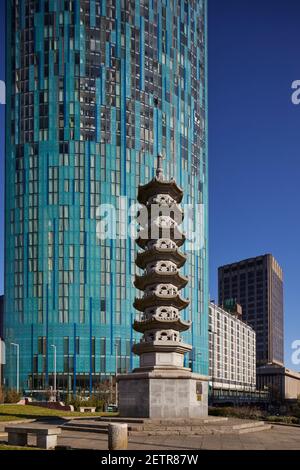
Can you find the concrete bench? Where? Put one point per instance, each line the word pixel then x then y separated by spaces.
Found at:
pixel 46 438
pixel 87 409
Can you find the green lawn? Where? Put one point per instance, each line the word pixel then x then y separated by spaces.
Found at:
pixel 6 447
pixel 16 412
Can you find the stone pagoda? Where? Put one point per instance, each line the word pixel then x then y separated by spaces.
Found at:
pixel 161 388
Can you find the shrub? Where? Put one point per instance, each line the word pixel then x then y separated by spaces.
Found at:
pixel 243 412
pixel 12 396
pixel 1 395
pixel 247 412
pixel 77 401
pixel 295 410
pixel 283 419
pixel 218 411
pixel 94 401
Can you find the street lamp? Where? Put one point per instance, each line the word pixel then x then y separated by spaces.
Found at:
pixel 17 346
pixel 54 372
pixel 116 352
pixel 214 334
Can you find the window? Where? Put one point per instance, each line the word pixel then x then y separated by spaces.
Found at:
pixel 66 364
pixel 102 364
pixel 66 345
pixel 102 346
pixel 35 364
pixel 77 345
pixel 42 345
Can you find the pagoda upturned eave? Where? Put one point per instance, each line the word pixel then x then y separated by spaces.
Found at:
pixel 176 279
pixel 160 254
pixel 155 300
pixel 176 235
pixel 156 324
pixel 158 186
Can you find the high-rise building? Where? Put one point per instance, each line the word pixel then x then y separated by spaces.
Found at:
pixel 95 90
pixel 257 285
pixel 1 314
pixel 2 345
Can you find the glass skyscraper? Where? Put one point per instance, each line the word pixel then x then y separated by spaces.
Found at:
pixel 96 88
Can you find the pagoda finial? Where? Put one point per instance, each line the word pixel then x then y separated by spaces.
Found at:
pixel 159 169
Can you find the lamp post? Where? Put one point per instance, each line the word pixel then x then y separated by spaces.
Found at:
pixel 17 346
pixel 116 352
pixel 54 371
pixel 213 363
pixel 110 389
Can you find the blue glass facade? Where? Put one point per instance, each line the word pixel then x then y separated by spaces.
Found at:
pixel 96 88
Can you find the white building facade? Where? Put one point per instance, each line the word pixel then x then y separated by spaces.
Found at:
pixel 232 352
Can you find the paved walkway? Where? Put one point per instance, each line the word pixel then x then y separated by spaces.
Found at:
pixel 278 438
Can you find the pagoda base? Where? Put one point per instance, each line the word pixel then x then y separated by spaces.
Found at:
pixel 163 394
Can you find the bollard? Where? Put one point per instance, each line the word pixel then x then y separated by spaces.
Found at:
pixel 117 436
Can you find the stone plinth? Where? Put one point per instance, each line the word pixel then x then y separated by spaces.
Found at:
pixel 163 395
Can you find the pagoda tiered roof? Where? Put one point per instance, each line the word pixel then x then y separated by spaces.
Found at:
pixel 174 234
pixel 155 300
pixel 154 323
pixel 159 186
pixel 176 279
pixel 160 254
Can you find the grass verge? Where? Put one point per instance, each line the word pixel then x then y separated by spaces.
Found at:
pixel 7 447
pixel 17 412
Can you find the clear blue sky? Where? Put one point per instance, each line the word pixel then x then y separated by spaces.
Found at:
pixel 254 140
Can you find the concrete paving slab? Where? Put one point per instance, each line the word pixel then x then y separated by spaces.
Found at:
pixel 277 438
